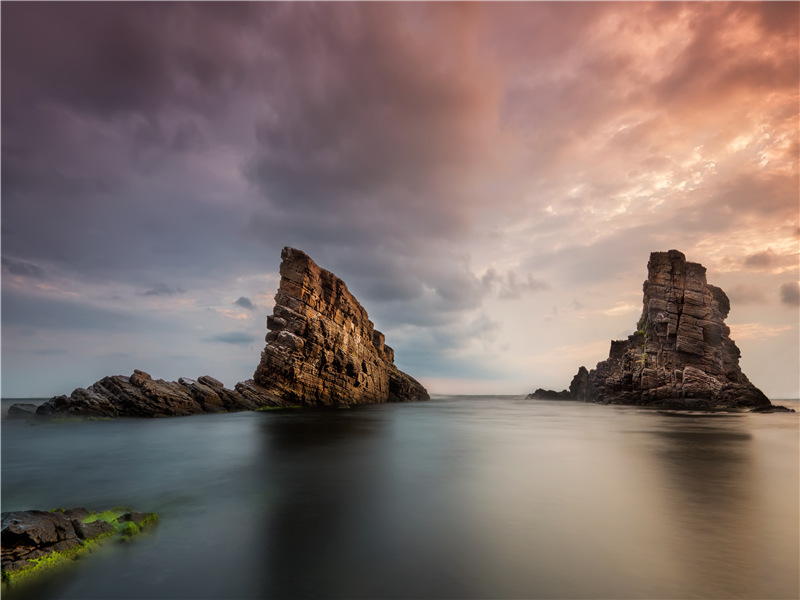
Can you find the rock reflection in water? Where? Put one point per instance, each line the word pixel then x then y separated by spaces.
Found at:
pixel 721 516
pixel 453 498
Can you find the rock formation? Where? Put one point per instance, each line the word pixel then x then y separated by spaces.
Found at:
pixel 578 382
pixel 60 536
pixel 322 350
pixel 681 354
pixel 543 394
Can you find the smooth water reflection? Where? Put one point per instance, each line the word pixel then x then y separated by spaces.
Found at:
pixel 455 498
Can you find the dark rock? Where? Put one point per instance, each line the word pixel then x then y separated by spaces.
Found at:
pixel 542 394
pixel 21 411
pixel 34 533
pixel 681 355
pixel 31 534
pixel 578 387
pixel 322 350
pixel 772 408
pixel 86 531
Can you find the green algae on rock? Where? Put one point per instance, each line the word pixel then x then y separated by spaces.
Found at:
pixel 35 542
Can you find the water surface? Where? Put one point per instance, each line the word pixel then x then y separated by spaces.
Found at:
pixel 460 497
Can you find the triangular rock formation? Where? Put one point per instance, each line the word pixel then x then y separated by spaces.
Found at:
pixel 681 354
pixel 322 350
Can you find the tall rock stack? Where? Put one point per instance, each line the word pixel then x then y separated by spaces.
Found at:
pixel 681 354
pixel 322 349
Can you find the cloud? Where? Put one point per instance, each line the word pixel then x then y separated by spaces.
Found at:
pixel 239 338
pixel 756 331
pixel 761 260
pixel 746 293
pixel 47 313
pixel 790 293
pixel 440 158
pixel 509 287
pixel 245 303
pixel 22 268
pixel 51 352
pixel 162 289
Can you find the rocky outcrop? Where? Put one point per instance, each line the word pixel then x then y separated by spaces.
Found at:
pixel 681 354
pixel 543 394
pixel 322 350
pixel 142 396
pixel 575 389
pixel 60 536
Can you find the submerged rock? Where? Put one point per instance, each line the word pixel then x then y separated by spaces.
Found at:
pixel 772 408
pixel 322 350
pixel 21 410
pixel 681 355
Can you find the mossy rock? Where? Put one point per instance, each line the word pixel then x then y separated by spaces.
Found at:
pixel 48 541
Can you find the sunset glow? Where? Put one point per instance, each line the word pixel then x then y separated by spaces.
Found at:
pixel 489 180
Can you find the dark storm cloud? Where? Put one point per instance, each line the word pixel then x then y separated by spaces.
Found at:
pixel 104 108
pixel 46 313
pixel 790 293
pixel 22 268
pixel 106 59
pixel 245 303
pixel 238 338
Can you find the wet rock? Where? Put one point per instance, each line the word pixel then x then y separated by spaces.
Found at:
pixel 60 536
pixel 681 354
pixel 21 410
pixel 772 408
pixel 33 533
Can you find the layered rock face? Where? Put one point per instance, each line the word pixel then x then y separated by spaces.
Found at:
pixel 681 354
pixel 322 349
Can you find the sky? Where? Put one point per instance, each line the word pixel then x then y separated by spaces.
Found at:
pixel 489 180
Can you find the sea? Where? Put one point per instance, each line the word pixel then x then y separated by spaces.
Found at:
pixel 462 497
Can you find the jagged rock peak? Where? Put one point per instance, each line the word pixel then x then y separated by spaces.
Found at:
pixel 681 354
pixel 322 349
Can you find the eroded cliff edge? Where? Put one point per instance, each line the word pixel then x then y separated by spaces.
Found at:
pixel 321 350
pixel 682 355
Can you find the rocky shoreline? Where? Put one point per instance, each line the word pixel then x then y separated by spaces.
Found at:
pixel 35 542
pixel 321 351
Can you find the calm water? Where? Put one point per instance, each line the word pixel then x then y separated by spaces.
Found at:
pixel 461 497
